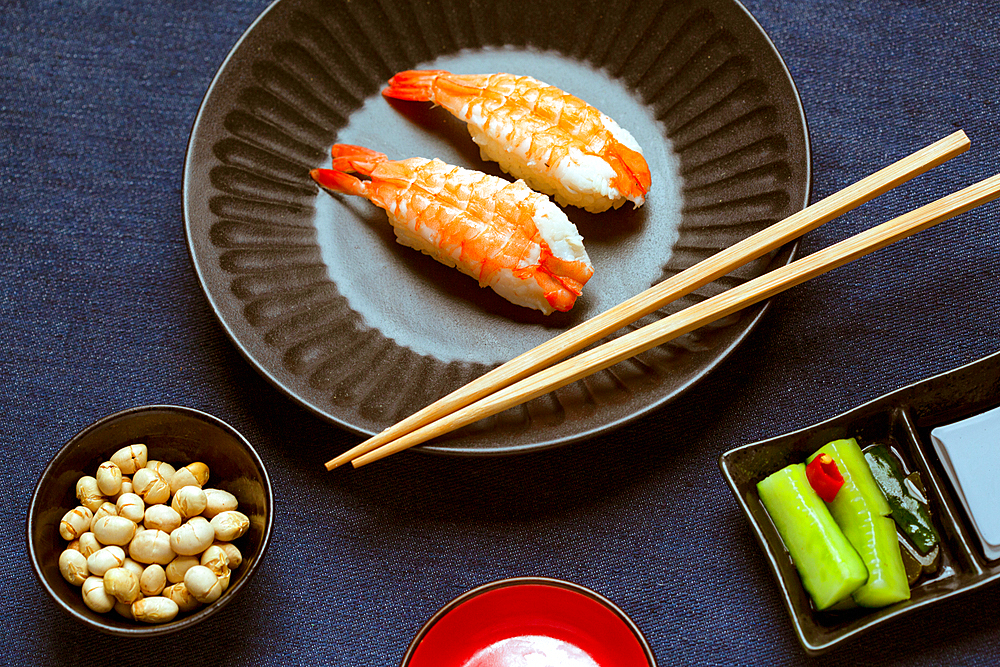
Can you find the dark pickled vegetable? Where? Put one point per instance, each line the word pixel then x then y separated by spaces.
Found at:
pixel 910 512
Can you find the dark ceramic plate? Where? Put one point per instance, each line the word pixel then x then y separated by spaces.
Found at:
pixel 903 419
pixel 317 295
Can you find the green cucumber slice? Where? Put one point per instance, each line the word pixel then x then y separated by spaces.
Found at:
pixel 910 512
pixel 828 565
pixel 861 511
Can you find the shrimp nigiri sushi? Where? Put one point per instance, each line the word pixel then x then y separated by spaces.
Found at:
pixel 503 234
pixel 557 143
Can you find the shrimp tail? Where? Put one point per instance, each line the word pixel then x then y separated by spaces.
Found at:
pixel 339 181
pixel 348 159
pixel 413 85
pixel 356 159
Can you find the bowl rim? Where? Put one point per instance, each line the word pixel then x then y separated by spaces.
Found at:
pixel 512 582
pixel 208 610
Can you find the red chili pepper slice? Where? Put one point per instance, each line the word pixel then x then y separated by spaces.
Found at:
pixel 824 477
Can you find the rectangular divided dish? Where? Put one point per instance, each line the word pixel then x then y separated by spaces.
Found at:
pixel 903 420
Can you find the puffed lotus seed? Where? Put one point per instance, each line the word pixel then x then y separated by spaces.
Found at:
pixel 193 537
pixel 122 584
pixel 109 478
pixel 104 559
pixel 153 580
pixel 150 486
pixel 88 493
pixel 232 553
pixel 230 525
pixel 216 560
pixel 73 567
pixel 151 546
pixel 193 474
pixel 130 458
pixel 131 506
pixel 203 584
pixel 95 597
pixel 75 523
pixel 134 567
pixel 217 502
pixel 179 566
pixel 162 517
pixel 157 609
pixel 88 544
pixel 182 596
pixel 115 530
pixel 189 501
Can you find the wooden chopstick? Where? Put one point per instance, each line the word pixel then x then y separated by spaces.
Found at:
pixel 689 319
pixel 673 288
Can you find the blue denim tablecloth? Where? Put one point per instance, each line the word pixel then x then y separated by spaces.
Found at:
pixel 100 310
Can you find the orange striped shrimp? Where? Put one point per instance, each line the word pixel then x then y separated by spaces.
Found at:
pixel 503 234
pixel 557 143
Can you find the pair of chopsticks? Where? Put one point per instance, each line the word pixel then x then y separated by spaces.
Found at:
pixel 533 374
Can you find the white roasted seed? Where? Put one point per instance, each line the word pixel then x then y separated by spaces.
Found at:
pixel 130 458
pixel 109 478
pixel 189 501
pixel 150 486
pixel 182 596
pixel 230 525
pixel 106 509
pixel 156 609
pixel 152 580
pixel 122 584
pixel 131 506
pixel 73 567
pixel 162 517
pixel 151 546
pixel 179 566
pixel 133 566
pixel 193 537
pixel 115 530
pixel 232 553
pixel 203 584
pixel 104 559
pixel 126 488
pixel 95 597
pixel 88 493
pixel 193 474
pixel 216 560
pixel 162 468
pixel 218 501
pixel 75 522
pixel 89 544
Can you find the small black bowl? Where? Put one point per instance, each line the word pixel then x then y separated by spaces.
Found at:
pixel 176 435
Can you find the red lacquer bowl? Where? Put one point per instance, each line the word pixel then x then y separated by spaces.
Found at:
pixel 529 621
